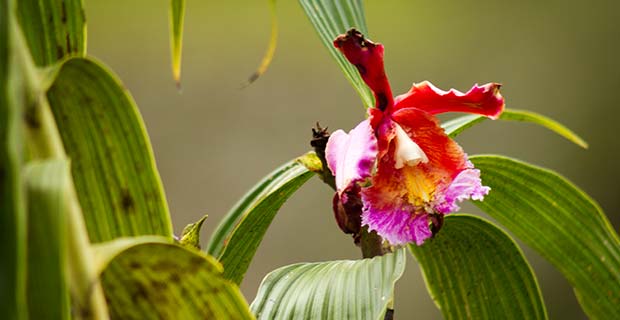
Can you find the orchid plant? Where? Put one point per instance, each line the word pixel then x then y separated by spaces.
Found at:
pixel 87 234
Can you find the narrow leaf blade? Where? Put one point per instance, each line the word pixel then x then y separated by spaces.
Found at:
pixel 177 16
pixel 347 289
pixel 12 208
pixel 455 126
pixel 332 18
pixel 473 270
pixel 48 295
pixel 562 223
pixel 113 168
pixel 256 213
pixel 261 190
pixel 53 29
pixel 271 48
pixel 150 278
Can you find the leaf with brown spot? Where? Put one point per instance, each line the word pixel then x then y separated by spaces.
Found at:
pixel 53 29
pixel 173 282
pixel 105 138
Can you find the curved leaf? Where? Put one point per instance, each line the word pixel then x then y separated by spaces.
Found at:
pixel 260 191
pixel 177 15
pixel 474 270
pixel 53 29
pixel 347 289
pixel 562 223
pixel 456 126
pixel 46 185
pixel 332 18
pixel 254 214
pixel 271 49
pixel 150 278
pixel 113 168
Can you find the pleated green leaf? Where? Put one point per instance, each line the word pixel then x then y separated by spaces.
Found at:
pixel 150 278
pixel 455 126
pixel 113 168
pixel 54 29
pixel 239 234
pixel 46 184
pixel 12 209
pixel 561 223
pixel 347 289
pixel 474 270
pixel 177 16
pixel 331 18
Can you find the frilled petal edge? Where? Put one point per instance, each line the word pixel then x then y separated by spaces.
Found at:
pixel 483 100
pixel 398 225
pixel 351 157
pixel 466 185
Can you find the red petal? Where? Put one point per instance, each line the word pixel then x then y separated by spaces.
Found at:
pixel 484 100
pixel 445 157
pixel 367 57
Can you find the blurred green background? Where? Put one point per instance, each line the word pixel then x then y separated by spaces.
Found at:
pixel 214 140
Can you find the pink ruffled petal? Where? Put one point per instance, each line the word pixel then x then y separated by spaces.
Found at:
pixel 398 226
pixel 466 185
pixel 351 157
pixel 484 100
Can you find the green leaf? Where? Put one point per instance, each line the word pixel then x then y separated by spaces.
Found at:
pixel 332 18
pixel 474 270
pixel 53 29
pixel 246 224
pixel 177 15
pixel 458 125
pixel 347 289
pixel 270 183
pixel 113 168
pixel 150 278
pixel 562 223
pixel 190 237
pixel 271 48
pixel 12 208
pixel 46 184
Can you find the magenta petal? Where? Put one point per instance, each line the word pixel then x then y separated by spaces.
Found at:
pixel 351 157
pixel 398 226
pixel 466 185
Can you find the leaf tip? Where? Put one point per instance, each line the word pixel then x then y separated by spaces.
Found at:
pixel 190 237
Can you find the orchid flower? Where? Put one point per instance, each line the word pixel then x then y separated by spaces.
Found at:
pixel 398 172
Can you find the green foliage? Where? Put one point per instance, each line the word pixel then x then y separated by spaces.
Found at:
pixel 332 18
pixel 190 237
pixel 358 289
pixel 562 223
pixel 150 278
pixel 245 225
pixel 473 270
pixel 177 15
pixel 12 209
pixel 114 171
pixel 455 126
pixel 46 185
pixel 271 48
pixel 53 29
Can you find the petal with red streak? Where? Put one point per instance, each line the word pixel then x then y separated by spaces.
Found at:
pixel 445 157
pixel 367 57
pixel 484 100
